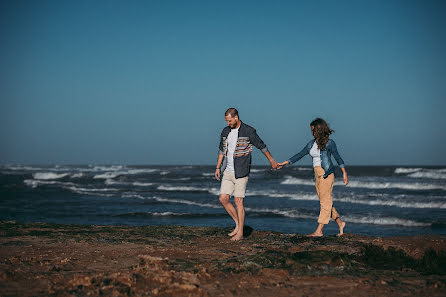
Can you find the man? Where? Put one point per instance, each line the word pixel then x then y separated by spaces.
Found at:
pixel 234 161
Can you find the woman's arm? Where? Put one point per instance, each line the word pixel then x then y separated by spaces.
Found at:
pixel 334 151
pixel 295 158
pixel 345 175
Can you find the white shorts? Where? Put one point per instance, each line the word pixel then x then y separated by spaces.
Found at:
pixel 233 186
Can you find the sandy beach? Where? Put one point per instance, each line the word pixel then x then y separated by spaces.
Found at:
pixel 40 259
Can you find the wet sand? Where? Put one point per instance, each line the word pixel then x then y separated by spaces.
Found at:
pixel 40 259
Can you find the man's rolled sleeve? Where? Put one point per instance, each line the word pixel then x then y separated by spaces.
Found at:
pixel 257 141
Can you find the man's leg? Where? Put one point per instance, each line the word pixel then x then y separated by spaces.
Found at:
pixel 224 200
pixel 241 218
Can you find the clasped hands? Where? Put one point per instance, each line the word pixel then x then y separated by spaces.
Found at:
pixel 277 166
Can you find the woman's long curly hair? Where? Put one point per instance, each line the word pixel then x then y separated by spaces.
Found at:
pixel 321 132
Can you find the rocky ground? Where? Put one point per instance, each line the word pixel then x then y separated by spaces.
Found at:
pixel 77 260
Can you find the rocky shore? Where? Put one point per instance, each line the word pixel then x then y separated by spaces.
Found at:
pixel 39 259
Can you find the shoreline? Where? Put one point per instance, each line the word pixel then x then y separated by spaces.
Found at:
pixel 47 259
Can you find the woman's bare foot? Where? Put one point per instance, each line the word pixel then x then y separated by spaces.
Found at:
pixel 341 229
pixel 235 231
pixel 237 237
pixel 315 234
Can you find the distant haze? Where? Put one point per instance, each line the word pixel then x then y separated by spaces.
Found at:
pixel 148 82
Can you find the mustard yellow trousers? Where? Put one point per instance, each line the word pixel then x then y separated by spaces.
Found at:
pixel 324 187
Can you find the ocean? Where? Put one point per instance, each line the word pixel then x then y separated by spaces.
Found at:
pixel 379 200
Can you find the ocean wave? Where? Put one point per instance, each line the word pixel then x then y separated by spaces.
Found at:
pixel 113 174
pixel 180 188
pixel 107 168
pixel 187 189
pixel 187 202
pixel 428 174
pixel 35 183
pixel 107 175
pixel 49 175
pixel 400 204
pixel 289 180
pixel 303 169
pixel 141 184
pixel 169 214
pixel 373 220
pixel 91 192
pixel 406 170
pixel 366 200
pixel 368 185
pixel 295 214
pixel 21 168
pixel 110 181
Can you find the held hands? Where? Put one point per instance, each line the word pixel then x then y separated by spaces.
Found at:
pixel 280 165
pixel 273 164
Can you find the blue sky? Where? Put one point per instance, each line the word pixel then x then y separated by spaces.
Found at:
pixel 147 82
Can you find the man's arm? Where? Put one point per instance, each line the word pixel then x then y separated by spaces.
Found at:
pixel 258 143
pixel 271 160
pixel 217 169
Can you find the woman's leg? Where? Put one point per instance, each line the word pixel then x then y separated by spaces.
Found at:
pixel 323 189
pixel 335 216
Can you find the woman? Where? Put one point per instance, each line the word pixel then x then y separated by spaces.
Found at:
pixel 320 149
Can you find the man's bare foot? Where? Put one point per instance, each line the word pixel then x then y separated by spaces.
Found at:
pixel 235 231
pixel 237 237
pixel 341 229
pixel 315 234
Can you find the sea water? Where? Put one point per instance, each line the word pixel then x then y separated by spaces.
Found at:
pixel 379 200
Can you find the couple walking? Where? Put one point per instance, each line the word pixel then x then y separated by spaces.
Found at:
pixel 234 163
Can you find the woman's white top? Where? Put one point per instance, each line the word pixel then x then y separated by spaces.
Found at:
pixel 315 153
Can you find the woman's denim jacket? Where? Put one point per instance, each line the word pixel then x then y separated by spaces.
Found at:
pixel 327 164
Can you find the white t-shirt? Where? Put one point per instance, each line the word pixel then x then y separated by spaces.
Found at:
pixel 232 143
pixel 315 153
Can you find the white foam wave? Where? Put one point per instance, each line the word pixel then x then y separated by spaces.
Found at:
pixel 368 185
pixel 141 184
pixel 289 180
pixel 292 213
pixel 110 181
pixel 107 175
pixel 207 174
pixel 188 202
pixel 384 221
pixel 258 170
pixel 167 213
pixel 35 183
pixel 74 188
pixel 77 175
pixel 428 174
pixel 48 175
pixel 20 168
pixel 361 220
pixel 355 200
pixel 91 192
pixel 406 170
pixel 187 189
pixel 304 169
pixel 113 174
pixel 107 168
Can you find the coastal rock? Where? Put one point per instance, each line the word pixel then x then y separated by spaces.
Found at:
pixel 39 259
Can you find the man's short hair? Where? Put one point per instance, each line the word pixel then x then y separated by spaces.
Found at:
pixel 232 112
